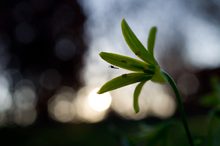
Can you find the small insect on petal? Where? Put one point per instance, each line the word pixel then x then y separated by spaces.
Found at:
pixel 111 66
pixel 124 62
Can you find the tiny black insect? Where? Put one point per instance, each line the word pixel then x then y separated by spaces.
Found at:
pixel 111 66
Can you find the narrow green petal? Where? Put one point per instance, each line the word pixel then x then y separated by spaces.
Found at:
pixel 127 62
pixel 137 92
pixel 151 40
pixel 135 45
pixel 124 80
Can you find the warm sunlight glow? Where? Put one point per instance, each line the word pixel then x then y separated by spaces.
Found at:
pixel 89 106
pixel 122 103
pixel 154 100
pixel 62 111
pixel 99 102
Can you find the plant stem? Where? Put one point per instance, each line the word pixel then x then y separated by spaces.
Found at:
pixel 180 105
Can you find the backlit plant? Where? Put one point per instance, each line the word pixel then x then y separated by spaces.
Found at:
pixel 143 70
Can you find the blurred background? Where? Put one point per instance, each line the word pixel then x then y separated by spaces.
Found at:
pixel 50 70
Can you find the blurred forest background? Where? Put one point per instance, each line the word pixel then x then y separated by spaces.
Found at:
pixel 50 71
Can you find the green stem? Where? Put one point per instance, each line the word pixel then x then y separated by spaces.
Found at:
pixel 181 107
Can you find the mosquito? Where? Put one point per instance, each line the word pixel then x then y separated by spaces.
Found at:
pixel 111 66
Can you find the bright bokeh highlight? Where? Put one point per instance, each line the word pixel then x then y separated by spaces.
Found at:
pixel 90 107
pixel 99 102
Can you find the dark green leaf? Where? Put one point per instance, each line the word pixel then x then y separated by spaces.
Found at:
pixel 134 44
pixel 137 92
pixel 124 80
pixel 151 39
pixel 127 62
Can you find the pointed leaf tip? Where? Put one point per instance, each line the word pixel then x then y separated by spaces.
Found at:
pixel 134 44
pixel 101 53
pixel 151 39
pixel 99 92
pixel 137 92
